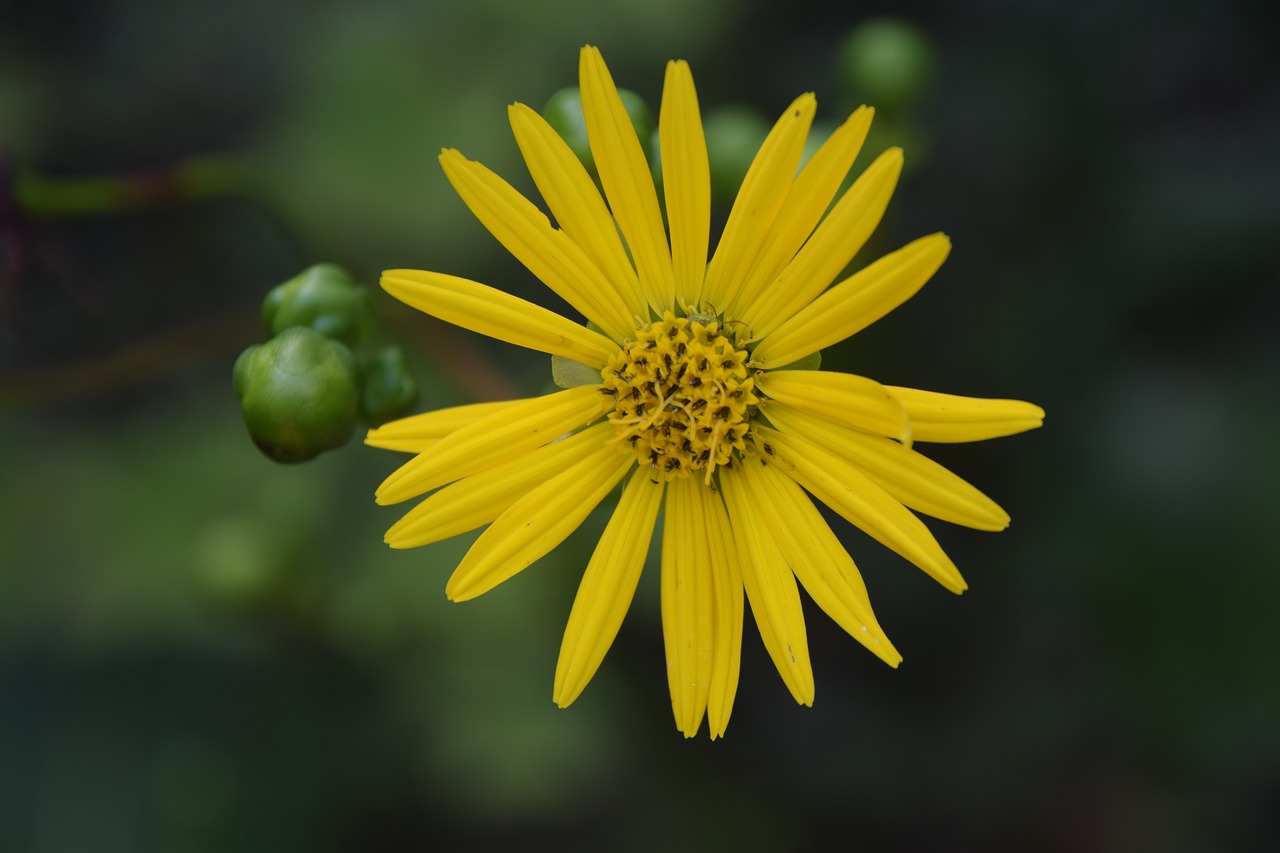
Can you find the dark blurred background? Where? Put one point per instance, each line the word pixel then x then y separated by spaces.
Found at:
pixel 201 650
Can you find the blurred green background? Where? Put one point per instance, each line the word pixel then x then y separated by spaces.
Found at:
pixel 204 651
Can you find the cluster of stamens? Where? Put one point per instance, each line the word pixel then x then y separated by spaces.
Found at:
pixel 681 395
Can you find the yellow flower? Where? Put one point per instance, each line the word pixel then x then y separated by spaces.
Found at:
pixel 698 402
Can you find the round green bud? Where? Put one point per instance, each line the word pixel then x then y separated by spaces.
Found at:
pixel 886 62
pixel 324 298
pixel 299 393
pixel 564 113
pixel 734 135
pixel 389 386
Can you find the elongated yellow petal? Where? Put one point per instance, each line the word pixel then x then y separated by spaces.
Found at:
pixel 816 556
pixel 771 589
pixel 575 202
pixel 503 436
pixel 951 418
pixel 500 315
pixel 538 522
pixel 865 505
pixel 477 500
pixel 416 433
pixel 844 398
pixel 763 191
pixel 549 254
pixel 607 587
pixel 688 605
pixel 854 303
pixel 686 177
pixel 844 231
pixel 727 586
pixel 626 177
pixel 915 480
pixel 806 202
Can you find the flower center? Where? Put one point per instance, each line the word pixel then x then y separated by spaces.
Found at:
pixel 681 396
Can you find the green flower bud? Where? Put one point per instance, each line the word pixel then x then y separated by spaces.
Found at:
pixel 299 393
pixel 564 113
pixel 734 135
pixel 389 387
pixel 324 298
pixel 886 62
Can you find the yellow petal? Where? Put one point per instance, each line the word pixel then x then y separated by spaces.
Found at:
pixel 626 178
pixel 688 605
pixel 538 522
pixel 500 315
pixel 771 589
pixel 763 191
pixel 549 254
pixel 727 586
pixel 844 398
pixel 505 435
pixel 807 200
pixel 865 505
pixel 607 587
pixel 951 418
pixel 819 561
pixel 477 500
pixel 416 433
pixel 686 178
pixel 575 202
pixel 915 480
pixel 854 303
pixel 844 231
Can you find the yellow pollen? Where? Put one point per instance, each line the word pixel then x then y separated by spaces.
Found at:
pixel 682 397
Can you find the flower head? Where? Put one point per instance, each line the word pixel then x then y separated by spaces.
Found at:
pixel 700 398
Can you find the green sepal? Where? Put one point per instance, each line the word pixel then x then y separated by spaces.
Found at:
pixel 812 361
pixel 567 373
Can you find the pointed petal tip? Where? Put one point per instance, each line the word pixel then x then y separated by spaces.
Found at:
pixel 394 281
pixel 560 696
pixel 395 537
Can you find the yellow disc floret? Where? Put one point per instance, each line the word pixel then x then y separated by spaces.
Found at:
pixel 682 395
